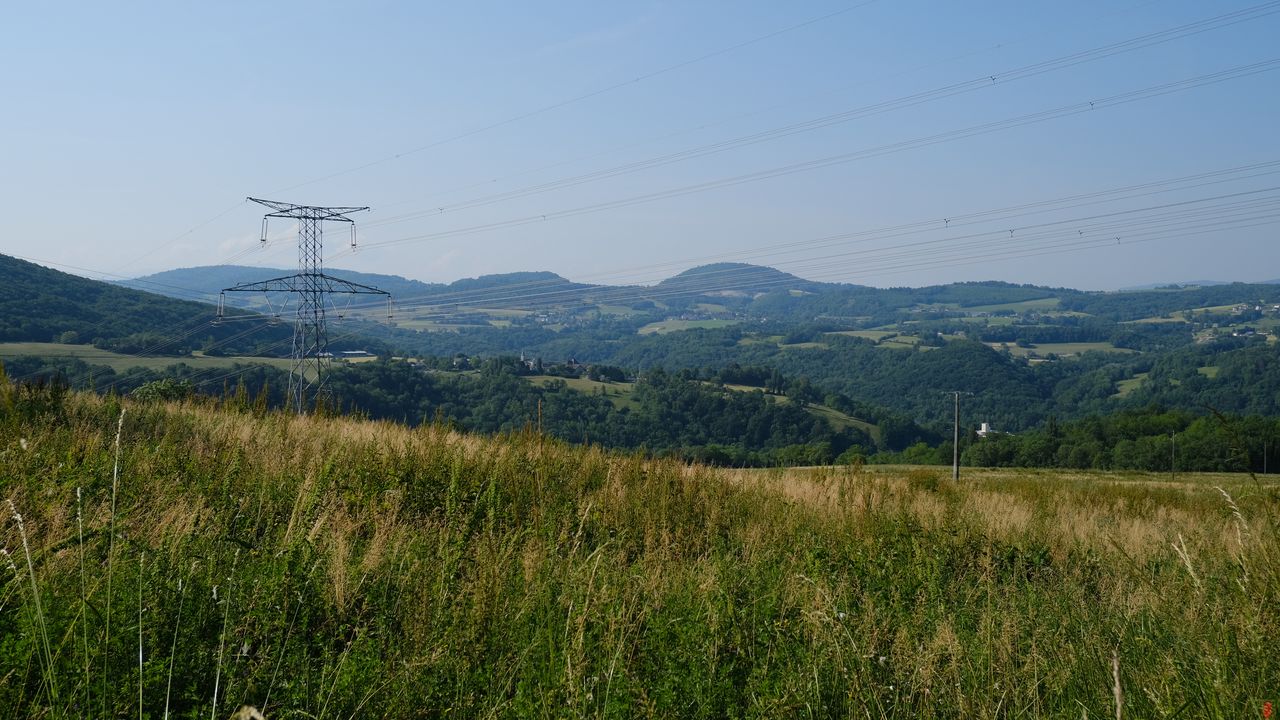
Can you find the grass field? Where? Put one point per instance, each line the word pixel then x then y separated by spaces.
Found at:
pixel 831 415
pixel 619 393
pixel 803 346
pixel 872 335
pixel 183 559
pixel 118 362
pixel 621 310
pixel 669 326
pixel 1037 305
pixel 1128 385
pixel 1062 349
pixel 710 307
pixel 997 321
pixel 1182 315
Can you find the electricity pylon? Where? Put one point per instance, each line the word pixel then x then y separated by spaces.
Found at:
pixel 311 355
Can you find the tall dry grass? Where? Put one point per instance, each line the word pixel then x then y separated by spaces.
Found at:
pixel 366 569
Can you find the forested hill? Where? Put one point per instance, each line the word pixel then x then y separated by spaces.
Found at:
pixel 209 280
pixel 39 304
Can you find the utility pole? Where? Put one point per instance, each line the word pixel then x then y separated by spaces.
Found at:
pixel 955 443
pixel 311 355
pixel 1173 456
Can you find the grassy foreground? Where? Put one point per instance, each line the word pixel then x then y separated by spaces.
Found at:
pixel 333 568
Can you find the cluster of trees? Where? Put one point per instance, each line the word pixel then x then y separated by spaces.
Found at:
pixel 664 413
pixel 1153 440
pixel 691 414
pixel 1156 303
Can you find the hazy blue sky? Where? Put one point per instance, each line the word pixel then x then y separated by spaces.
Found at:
pixel 133 131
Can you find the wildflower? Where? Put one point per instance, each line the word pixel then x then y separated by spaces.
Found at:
pixel 8 558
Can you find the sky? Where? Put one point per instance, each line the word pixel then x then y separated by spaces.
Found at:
pixel 887 143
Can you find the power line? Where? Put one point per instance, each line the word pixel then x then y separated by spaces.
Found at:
pixel 1069 231
pixel 937 224
pixel 843 158
pixel 982 82
pixel 580 98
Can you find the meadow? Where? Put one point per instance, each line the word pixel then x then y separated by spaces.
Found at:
pixel 182 559
pixel 664 327
pixel 121 362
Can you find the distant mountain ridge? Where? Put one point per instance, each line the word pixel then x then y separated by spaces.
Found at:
pixel 739 288
pixel 207 281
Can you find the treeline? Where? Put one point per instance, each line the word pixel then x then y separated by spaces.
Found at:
pixel 1153 440
pixel 693 414
pixel 661 413
pixel 1155 303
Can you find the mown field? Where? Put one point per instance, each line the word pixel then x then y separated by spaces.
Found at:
pixel 675 325
pixel 179 560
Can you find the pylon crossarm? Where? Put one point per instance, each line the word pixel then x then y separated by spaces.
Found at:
pixel 289 210
pixel 338 285
pixel 310 282
pixel 288 283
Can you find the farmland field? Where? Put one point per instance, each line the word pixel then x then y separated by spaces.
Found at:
pixel 619 393
pixel 1128 385
pixel 1061 349
pixel 1037 305
pixel 668 326
pixel 118 361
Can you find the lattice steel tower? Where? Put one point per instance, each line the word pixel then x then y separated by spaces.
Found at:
pixel 311 355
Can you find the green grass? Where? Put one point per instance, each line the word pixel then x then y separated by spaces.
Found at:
pixel 841 420
pixel 997 321
pixel 435 326
pixel 619 393
pixel 760 340
pixel 1063 349
pixel 803 346
pixel 872 335
pixel 119 362
pixel 900 342
pixel 1037 305
pixel 621 310
pixel 1128 385
pixel 368 570
pixel 837 419
pixel 1181 315
pixel 1209 371
pixel 669 326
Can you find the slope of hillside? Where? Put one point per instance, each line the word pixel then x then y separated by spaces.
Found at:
pixel 336 568
pixel 38 304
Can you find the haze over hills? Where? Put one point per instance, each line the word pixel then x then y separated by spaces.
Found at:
pixel 209 280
